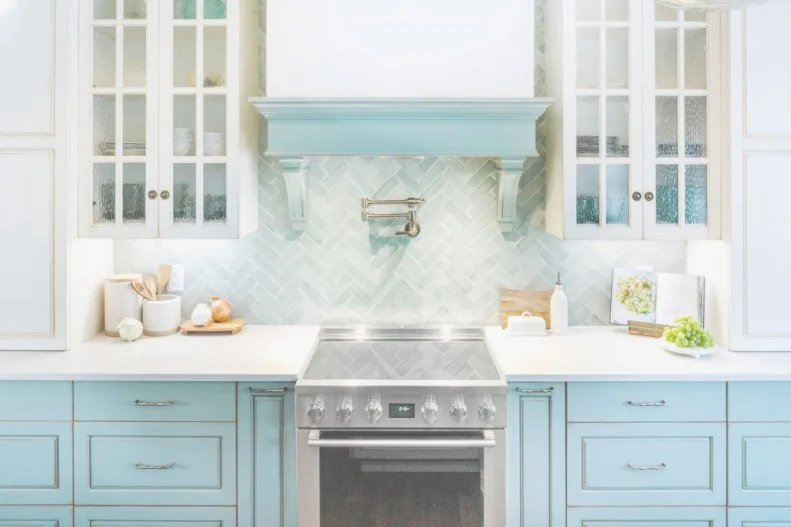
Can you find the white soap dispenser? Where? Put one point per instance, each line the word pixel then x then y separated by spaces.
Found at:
pixel 559 310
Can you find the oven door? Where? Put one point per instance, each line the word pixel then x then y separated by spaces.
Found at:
pixel 404 478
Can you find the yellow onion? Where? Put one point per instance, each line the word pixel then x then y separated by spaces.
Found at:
pixel 220 309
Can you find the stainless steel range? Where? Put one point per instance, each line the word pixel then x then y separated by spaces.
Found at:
pixel 401 426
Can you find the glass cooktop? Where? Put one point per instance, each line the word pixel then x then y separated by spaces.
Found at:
pixel 402 354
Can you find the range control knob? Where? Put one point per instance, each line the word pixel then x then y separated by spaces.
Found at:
pixel 316 411
pixel 344 411
pixel 487 412
pixel 430 410
pixel 373 410
pixel 458 410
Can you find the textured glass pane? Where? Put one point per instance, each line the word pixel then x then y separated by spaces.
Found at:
pixel 103 57
pixel 133 199
pixel 694 16
pixel 588 10
pixel 667 126
pixel 103 9
pixel 696 203
pixel 135 9
pixel 696 125
pixel 184 193
pixel 214 125
pixel 214 9
pixel 587 126
pixel 134 57
pixel 666 14
pixel 587 194
pixel 667 194
pixel 617 10
pixel 214 57
pixel 215 194
pixel 184 125
pixel 184 61
pixel 618 126
pixel 695 63
pixel 103 193
pixel 618 194
pixel 134 125
pixel 184 9
pixel 666 58
pixel 618 58
pixel 588 58
pixel 104 125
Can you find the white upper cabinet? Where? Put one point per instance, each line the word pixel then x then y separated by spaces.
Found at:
pixel 34 53
pixel 760 152
pixel 634 133
pixel 170 146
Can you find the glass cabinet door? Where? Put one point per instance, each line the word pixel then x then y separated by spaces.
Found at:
pixel 197 117
pixel 121 151
pixel 680 161
pixel 607 102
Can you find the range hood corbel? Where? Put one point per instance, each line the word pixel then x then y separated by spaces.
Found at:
pixel 504 129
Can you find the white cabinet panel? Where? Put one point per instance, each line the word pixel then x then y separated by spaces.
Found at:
pixel 27 48
pixel 767 84
pixel 27 230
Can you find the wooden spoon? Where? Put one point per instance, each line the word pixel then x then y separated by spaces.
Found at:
pixel 150 283
pixel 163 277
pixel 141 289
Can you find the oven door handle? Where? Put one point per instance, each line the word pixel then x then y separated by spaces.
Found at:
pixel 487 441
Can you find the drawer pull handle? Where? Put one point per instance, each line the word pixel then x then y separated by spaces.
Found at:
pixel 154 403
pixel 652 403
pixel 143 466
pixel 268 390
pixel 661 466
pixel 535 390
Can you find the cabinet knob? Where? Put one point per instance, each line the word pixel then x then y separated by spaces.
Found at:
pixel 637 196
pixel 649 196
pixel 165 194
pixel 152 194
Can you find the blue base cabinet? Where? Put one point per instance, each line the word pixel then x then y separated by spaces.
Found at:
pixel 36 516
pixel 759 517
pixel 154 517
pixel 267 456
pixel 536 454
pixel 647 516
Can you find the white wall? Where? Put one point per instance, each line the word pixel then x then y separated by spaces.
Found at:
pixel 400 48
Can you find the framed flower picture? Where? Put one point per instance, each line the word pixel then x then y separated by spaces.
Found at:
pixel 633 296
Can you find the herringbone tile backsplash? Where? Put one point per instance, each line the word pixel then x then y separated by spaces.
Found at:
pixel 345 270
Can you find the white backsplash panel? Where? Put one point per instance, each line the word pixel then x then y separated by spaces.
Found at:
pixel 345 270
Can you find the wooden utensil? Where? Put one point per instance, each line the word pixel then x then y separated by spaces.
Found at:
pixel 514 302
pixel 140 289
pixel 163 277
pixel 150 283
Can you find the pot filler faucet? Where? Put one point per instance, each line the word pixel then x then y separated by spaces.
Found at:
pixel 411 229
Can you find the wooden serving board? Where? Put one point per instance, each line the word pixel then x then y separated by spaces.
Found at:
pixel 514 302
pixel 230 327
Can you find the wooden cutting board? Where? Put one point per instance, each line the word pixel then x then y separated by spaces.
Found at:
pixel 230 327
pixel 514 302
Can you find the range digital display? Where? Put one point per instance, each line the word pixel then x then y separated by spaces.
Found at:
pixel 401 411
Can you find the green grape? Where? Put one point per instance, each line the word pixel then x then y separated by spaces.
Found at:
pixel 689 333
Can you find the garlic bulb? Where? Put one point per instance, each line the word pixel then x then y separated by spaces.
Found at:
pixel 201 315
pixel 130 329
pixel 220 309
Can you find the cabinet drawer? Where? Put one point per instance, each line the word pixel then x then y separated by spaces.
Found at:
pixel 35 463
pixel 155 463
pixel 646 401
pixel 647 517
pixel 156 517
pixel 35 516
pixel 755 517
pixel 759 462
pixel 646 464
pixel 759 401
pixel 35 401
pixel 154 401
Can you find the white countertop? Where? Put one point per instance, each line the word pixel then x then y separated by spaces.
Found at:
pixel 277 353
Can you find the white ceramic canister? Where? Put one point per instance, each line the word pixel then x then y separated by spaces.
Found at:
pixel 162 317
pixel 120 301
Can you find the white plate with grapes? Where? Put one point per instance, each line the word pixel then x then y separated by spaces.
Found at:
pixel 688 337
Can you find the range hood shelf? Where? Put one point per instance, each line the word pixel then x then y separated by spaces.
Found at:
pixel 499 128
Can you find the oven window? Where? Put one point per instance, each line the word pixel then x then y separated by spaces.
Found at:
pixel 377 487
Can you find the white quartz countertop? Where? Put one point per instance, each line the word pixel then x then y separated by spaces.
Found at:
pixel 278 353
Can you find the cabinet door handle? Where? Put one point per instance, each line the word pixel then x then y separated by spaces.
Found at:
pixel 661 466
pixel 138 402
pixel 143 466
pixel 649 196
pixel 152 194
pixel 165 194
pixel 535 390
pixel 284 389
pixel 650 403
pixel 637 196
